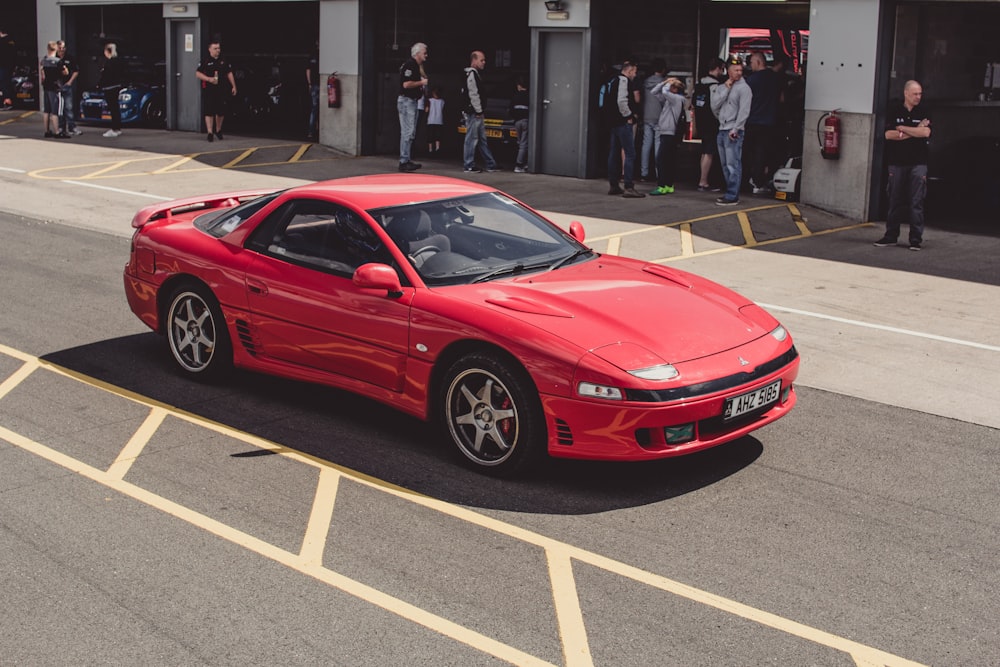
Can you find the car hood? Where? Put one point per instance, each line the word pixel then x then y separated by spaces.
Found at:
pixel 624 310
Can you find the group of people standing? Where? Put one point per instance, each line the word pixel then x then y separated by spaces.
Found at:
pixel 730 111
pixel 415 96
pixel 58 72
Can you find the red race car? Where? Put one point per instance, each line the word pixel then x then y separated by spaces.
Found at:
pixel 454 302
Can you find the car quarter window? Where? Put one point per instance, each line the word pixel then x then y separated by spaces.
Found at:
pixel 321 235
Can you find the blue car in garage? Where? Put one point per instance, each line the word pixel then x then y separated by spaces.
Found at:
pixel 142 100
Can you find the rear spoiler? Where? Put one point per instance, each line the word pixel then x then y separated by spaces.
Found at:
pixel 206 203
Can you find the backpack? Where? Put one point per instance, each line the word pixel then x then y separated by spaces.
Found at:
pixel 701 98
pixel 606 95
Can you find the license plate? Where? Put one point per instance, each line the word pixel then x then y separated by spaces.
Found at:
pixel 494 134
pixel 780 195
pixel 752 400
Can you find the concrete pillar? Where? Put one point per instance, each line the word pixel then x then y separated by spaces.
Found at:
pixel 340 53
pixel 841 74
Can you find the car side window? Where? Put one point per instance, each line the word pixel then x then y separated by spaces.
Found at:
pixel 321 235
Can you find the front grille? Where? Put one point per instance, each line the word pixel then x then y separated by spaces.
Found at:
pixel 713 386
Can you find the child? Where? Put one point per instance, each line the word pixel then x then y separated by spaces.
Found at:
pixel 435 120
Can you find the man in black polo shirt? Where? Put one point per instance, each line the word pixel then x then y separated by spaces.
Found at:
pixel 412 81
pixel 907 137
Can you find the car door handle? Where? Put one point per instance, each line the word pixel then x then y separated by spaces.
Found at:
pixel 257 288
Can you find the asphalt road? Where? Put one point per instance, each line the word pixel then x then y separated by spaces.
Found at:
pixel 148 520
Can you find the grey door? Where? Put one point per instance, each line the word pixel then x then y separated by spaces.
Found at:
pixel 561 103
pixel 184 93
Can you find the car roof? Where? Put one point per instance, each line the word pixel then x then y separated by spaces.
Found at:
pixel 382 190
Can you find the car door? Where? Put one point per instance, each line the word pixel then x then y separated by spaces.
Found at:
pixel 304 305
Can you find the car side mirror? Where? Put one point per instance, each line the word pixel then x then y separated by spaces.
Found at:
pixel 378 276
pixel 576 231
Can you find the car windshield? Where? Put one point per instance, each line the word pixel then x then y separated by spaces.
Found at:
pixel 476 238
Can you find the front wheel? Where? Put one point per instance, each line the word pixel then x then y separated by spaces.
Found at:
pixel 492 413
pixel 196 333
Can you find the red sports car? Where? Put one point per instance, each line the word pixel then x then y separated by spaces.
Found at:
pixel 455 302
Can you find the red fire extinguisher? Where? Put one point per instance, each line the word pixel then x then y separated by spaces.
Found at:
pixel 829 140
pixel 333 91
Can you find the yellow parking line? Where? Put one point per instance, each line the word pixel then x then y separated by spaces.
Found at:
pixel 614 245
pixel 127 456
pixel 18 117
pixel 797 219
pixel 687 240
pixel 314 542
pixel 173 165
pixel 748 238
pixel 300 152
pixel 569 615
pixel 110 167
pixel 242 156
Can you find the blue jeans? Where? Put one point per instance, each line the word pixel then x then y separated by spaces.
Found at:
pixel 907 187
pixel 67 121
pixel 521 125
pixel 621 140
pixel 407 108
pixel 731 161
pixel 313 129
pixel 650 135
pixel 475 136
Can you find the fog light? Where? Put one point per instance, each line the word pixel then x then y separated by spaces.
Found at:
pixel 786 393
pixel 675 435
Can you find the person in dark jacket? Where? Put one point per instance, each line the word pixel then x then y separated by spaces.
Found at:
pixel 475 107
pixel 111 82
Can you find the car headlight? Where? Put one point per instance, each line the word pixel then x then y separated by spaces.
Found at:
pixel 660 372
pixel 592 390
pixel 125 97
pixel 779 333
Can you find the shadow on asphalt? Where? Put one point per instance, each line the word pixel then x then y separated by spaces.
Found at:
pixel 375 440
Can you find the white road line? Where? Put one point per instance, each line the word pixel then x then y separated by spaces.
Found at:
pixel 11 169
pixel 882 327
pixel 124 192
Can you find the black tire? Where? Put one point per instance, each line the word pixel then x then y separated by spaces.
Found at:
pixel 490 410
pixel 153 113
pixel 196 333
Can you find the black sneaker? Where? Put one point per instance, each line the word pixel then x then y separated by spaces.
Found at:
pixel 884 242
pixel 211 137
pixel 64 135
pixel 615 190
pixel 722 201
pixel 407 167
pixel 218 135
pixel 915 246
pixel 49 135
pixel 473 170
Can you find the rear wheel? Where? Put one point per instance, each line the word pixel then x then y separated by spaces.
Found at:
pixel 492 414
pixel 196 333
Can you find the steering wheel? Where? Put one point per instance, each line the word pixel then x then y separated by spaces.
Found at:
pixel 420 252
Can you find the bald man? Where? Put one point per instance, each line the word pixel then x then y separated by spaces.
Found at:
pixel 907 141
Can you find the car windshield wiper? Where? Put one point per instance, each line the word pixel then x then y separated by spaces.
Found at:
pixel 570 258
pixel 509 269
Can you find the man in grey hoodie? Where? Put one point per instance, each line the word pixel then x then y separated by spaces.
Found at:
pixel 474 99
pixel 731 105
pixel 651 106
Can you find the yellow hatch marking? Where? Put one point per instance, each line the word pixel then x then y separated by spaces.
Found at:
pixel 559 555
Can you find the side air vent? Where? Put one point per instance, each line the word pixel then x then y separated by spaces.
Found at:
pixel 564 436
pixel 246 338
